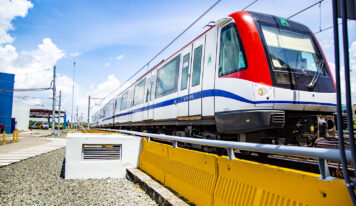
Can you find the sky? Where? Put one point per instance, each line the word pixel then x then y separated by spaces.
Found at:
pixel 111 39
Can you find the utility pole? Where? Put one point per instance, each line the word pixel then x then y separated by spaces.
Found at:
pixel 71 119
pixel 59 112
pixel 88 111
pixel 54 99
pixel 76 119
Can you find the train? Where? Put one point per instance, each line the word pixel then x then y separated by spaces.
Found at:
pixel 250 77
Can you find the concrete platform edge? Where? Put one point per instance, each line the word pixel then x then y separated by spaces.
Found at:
pixel 154 189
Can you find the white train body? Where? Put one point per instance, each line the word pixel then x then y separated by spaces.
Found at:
pixel 196 85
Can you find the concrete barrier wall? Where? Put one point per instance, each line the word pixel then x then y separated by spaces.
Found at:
pixel 244 182
pixel 79 168
pixel 192 174
pixel 154 159
pixel 206 179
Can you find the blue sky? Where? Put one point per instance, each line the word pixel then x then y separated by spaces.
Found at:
pixel 95 33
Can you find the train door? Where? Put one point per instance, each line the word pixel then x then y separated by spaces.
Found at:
pixel 208 76
pixel 146 105
pixel 195 87
pixel 184 82
pixel 152 95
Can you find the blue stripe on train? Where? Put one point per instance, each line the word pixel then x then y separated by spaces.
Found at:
pixel 211 93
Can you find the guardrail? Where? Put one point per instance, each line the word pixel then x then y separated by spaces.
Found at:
pixel 319 153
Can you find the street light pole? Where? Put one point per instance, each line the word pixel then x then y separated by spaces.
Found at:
pixel 71 119
pixel 76 119
pixel 54 99
pixel 88 111
pixel 59 112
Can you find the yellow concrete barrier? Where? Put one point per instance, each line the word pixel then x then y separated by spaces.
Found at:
pixel 207 179
pixel 192 174
pixel 243 182
pixel 4 138
pixel 17 135
pixel 153 159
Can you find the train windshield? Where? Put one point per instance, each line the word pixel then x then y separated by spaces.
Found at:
pixel 292 51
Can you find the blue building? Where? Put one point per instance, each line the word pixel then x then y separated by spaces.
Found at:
pixel 6 100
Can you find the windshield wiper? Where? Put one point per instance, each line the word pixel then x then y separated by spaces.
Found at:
pixel 316 76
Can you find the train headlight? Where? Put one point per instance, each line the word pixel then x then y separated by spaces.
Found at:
pixel 261 92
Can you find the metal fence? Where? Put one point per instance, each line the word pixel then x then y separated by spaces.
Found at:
pixel 319 153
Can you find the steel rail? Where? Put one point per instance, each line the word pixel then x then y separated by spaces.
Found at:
pixel 320 153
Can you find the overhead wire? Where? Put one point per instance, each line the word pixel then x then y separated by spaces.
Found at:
pixel 164 48
pixel 170 43
pixel 249 5
pixel 325 29
pixel 309 7
pixel 25 90
pixel 29 97
pixel 301 11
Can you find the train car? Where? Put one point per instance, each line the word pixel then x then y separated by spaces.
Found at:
pixel 250 77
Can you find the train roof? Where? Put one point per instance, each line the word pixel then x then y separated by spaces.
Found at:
pixel 277 20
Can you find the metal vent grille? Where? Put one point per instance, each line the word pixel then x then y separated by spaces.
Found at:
pixel 278 118
pixel 101 152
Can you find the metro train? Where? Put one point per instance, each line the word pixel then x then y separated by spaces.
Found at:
pixel 250 77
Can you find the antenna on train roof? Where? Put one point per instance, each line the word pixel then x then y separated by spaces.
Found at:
pixel 210 24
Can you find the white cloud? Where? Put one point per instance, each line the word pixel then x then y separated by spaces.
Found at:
pixel 104 88
pixel 32 69
pixel 8 11
pixel 107 64
pixel 120 57
pixel 75 54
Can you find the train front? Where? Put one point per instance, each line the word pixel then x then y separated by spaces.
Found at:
pixel 298 77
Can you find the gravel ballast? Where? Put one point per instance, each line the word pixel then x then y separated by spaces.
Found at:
pixel 37 181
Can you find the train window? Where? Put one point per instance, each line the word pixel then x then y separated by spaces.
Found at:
pixel 153 82
pixel 139 94
pixel 185 72
pixel 147 95
pixel 130 98
pixel 124 102
pixel 197 66
pixel 107 112
pixel 232 57
pixel 293 51
pixel 167 78
pixel 118 103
